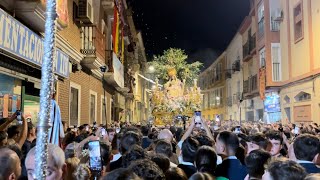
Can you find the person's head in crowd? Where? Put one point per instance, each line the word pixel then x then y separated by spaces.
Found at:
pixel 129 138
pixel 69 138
pixel 145 130
pixel 162 161
pixel 3 138
pixel 13 132
pixel 133 129
pixel 179 133
pixel 282 169
pixel 56 166
pixel 111 133
pixel 256 141
pixel 189 149
pixel 276 140
pixel 121 174
pixel 82 172
pixel 204 140
pixel 227 143
pixel 164 147
pixel 166 135
pixel 206 159
pixel 135 153
pixel 31 130
pixel 10 164
pixel 241 153
pixel 173 130
pixel 16 149
pixel 256 161
pixel 306 147
pixel 105 151
pixel 115 143
pixel 147 169
pixel 70 151
pixel 201 176
pixel 72 164
pixel 313 177
pixel 176 174
pixel 82 130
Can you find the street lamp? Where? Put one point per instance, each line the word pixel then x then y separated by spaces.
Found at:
pixel 104 69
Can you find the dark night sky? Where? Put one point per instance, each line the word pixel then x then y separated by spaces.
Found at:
pixel 197 26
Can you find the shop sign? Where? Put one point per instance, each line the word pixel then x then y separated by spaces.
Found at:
pixel 272 103
pixel 262 85
pixel 118 71
pixel 18 40
pixel 302 113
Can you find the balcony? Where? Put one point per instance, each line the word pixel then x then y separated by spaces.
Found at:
pixel 228 74
pixel 275 26
pixel 250 86
pixel 236 66
pixel 93 47
pixel 236 97
pixel 249 48
pixel 115 75
pixel 229 101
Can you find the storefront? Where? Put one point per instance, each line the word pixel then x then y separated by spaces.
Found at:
pixel 301 102
pixel 21 53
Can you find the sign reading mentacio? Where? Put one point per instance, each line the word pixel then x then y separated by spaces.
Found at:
pixel 20 41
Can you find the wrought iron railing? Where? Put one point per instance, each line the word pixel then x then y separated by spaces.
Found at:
pixel 93 41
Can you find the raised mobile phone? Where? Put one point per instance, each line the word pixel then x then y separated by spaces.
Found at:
pixel 197 119
pixel 103 131
pixel 95 161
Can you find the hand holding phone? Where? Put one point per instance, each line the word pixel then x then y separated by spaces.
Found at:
pixel 197 119
pixel 95 160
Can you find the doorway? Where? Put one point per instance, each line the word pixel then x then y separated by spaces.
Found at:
pixel 288 113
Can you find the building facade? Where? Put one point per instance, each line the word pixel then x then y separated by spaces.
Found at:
pixel 300 64
pixel 212 82
pixel 93 47
pixel 234 79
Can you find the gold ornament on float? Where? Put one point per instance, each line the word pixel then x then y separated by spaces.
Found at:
pixel 175 99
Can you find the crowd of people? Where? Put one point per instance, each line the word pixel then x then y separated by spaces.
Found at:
pixel 202 151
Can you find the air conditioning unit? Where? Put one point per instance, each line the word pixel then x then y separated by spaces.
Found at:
pixel 85 11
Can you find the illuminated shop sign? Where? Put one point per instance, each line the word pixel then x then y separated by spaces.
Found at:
pixel 20 41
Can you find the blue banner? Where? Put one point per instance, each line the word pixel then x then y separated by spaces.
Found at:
pixel 272 103
pixel 20 41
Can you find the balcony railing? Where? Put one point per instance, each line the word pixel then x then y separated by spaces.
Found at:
pixel 276 71
pixel 250 85
pixel 275 25
pixel 93 42
pixel 248 47
pixel 229 101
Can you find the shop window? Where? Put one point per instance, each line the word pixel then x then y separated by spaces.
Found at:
pixel 75 104
pixel 303 96
pixel 298 22
pixel 93 105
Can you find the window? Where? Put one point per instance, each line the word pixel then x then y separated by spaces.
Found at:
pixel 75 92
pixel 276 61
pixel 261 19
pixel 298 22
pixel 303 96
pixel 92 107
pixel 262 57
